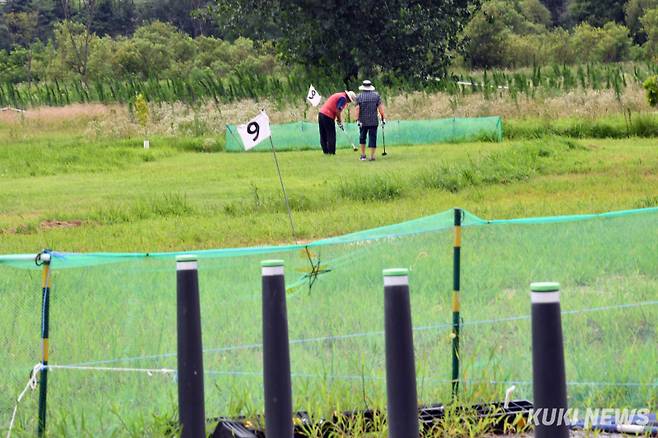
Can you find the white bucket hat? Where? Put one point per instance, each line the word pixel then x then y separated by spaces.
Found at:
pixel 366 86
pixel 351 95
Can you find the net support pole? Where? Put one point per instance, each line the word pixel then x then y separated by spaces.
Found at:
pixel 548 373
pixel 44 258
pixel 401 399
pixel 190 359
pixel 456 272
pixel 276 352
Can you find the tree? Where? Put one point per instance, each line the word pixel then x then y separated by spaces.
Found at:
pixel 234 19
pixel 73 42
pixel 584 40
pixel 556 7
pixel 47 16
pixel 114 18
pixel 596 12
pixel 22 28
pixel 78 33
pixel 7 8
pixel 650 24
pixel 535 12
pixel 614 44
pixel 184 14
pixel 609 43
pixel 487 36
pixel 162 47
pixel 634 10
pixel 405 38
pixel 489 33
pixel 43 9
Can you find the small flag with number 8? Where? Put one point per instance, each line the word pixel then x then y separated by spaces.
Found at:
pixel 255 131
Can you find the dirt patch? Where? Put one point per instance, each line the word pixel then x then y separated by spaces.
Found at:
pixel 51 224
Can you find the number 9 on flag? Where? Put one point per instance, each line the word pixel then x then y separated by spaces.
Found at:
pixel 313 97
pixel 255 131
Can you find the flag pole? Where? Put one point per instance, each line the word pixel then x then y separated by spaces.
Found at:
pixel 283 188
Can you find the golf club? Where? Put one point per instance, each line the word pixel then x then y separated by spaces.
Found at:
pixel 348 137
pixel 384 140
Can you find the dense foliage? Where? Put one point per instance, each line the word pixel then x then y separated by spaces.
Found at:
pixel 156 50
pixel 514 33
pixel 410 39
pixel 90 41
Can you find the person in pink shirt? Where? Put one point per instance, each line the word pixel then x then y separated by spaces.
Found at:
pixel 331 112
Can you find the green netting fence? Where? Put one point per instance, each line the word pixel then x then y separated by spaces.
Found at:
pixel 305 135
pixel 113 320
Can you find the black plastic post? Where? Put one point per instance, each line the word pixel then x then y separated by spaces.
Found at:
pixel 190 358
pixel 400 364
pixel 456 257
pixel 276 353
pixel 548 374
pixel 44 259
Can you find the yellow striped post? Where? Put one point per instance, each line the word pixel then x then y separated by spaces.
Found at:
pixel 44 259
pixel 456 255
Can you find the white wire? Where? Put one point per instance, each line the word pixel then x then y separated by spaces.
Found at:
pixel 31 384
pixel 149 371
pixel 369 334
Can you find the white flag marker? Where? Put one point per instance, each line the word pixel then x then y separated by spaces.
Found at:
pixel 313 97
pixel 255 131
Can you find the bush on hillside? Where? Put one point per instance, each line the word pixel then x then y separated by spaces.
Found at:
pixel 609 43
pixel 651 87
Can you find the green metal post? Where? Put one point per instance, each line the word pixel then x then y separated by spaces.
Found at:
pixel 44 258
pixel 455 301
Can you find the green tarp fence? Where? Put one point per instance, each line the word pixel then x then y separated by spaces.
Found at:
pixel 305 135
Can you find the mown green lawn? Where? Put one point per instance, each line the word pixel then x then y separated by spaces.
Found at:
pixel 118 197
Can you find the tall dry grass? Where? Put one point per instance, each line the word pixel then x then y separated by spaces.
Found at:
pixel 586 104
pixel 176 119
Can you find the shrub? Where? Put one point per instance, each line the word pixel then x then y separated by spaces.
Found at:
pixel 644 125
pixel 614 43
pixel 374 188
pixel 141 110
pixel 584 40
pixel 558 48
pixel 522 50
pixel 648 202
pixel 651 87
pixel 609 43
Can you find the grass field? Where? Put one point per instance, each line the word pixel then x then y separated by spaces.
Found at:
pixel 58 191
pixel 63 191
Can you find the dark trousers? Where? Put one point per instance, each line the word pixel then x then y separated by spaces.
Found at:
pixel 371 132
pixel 327 134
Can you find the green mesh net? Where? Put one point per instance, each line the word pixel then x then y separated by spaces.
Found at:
pixel 113 320
pixel 305 135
